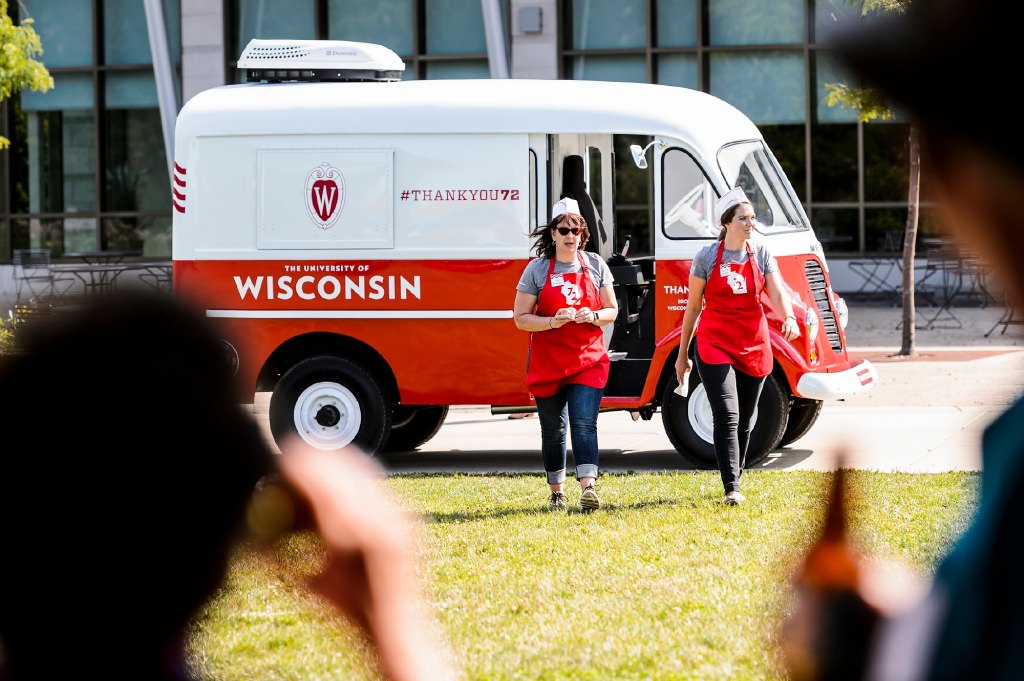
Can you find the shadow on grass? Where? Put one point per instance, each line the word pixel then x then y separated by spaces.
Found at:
pixel 606 508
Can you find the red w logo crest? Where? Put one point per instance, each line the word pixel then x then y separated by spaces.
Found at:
pixel 325 195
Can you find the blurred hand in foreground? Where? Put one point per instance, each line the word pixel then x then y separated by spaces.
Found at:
pixel 370 576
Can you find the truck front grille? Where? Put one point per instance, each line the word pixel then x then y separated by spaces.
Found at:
pixel 816 278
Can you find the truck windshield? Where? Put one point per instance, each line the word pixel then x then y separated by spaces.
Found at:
pixel 751 165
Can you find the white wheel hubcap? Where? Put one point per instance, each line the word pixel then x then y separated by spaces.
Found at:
pixel 327 415
pixel 702 420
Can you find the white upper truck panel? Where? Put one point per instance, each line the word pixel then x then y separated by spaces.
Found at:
pixel 464 106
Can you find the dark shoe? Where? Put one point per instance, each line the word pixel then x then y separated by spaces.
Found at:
pixel 589 500
pixel 556 501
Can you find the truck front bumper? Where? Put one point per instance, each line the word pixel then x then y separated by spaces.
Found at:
pixel 859 378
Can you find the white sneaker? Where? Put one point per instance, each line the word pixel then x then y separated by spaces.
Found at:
pixel 734 498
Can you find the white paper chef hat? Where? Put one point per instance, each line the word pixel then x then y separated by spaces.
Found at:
pixel 564 206
pixel 728 200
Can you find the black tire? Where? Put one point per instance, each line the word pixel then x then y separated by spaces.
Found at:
pixel 330 402
pixel 802 415
pixel 690 426
pixel 413 426
pixel 772 419
pixel 683 432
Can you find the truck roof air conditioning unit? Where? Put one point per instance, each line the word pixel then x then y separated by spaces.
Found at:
pixel 311 61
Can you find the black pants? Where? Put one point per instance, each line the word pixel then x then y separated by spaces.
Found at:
pixel 733 396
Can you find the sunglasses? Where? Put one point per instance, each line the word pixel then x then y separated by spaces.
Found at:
pixel 566 231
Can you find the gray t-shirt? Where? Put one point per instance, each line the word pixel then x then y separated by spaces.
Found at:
pixel 705 258
pixel 536 272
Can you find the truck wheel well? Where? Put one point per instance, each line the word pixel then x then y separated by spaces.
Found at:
pixel 296 349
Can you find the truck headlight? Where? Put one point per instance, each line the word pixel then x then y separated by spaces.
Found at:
pixel 811 325
pixel 843 311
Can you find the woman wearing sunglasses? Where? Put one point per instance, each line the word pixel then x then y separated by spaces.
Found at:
pixel 733 353
pixel 563 298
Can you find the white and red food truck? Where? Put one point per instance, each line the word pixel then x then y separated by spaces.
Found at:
pixel 359 239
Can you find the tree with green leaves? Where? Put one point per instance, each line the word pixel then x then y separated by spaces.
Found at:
pixel 870 105
pixel 19 68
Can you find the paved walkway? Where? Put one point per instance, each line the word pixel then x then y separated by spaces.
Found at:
pixel 926 413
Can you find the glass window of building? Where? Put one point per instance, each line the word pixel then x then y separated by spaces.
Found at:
pixel 58 172
pixel 676 23
pixel 827 72
pixel 454 27
pixel 755 22
pixel 126 37
pixel 834 175
pixel 385 22
pixel 87 169
pixel 762 57
pixel 136 177
pixel 272 19
pixel 789 145
pixel 460 69
pixel 678 69
pixel 886 164
pixel 768 86
pixel 838 229
pixel 878 222
pixel 608 24
pixel 621 69
pixel 60 27
pixel 435 38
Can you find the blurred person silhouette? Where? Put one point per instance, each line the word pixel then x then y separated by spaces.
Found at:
pixel 947 63
pixel 134 484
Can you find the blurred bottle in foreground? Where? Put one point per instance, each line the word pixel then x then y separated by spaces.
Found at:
pixel 828 633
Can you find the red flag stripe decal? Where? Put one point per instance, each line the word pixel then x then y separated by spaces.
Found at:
pixel 179 169
pixel 178 207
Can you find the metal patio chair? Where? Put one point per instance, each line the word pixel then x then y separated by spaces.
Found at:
pixel 35 278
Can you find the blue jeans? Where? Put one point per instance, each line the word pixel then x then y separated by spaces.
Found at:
pixel 577 406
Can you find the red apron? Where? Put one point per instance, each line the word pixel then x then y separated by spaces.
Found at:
pixel 733 328
pixel 573 353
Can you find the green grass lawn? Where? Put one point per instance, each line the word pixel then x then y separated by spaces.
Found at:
pixel 662 582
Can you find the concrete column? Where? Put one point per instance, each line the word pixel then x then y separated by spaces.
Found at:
pixel 535 55
pixel 497 45
pixel 202 47
pixel 163 73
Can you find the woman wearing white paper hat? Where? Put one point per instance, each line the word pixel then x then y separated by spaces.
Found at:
pixel 733 352
pixel 563 298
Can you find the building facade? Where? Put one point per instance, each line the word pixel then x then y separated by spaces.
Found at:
pixel 87 168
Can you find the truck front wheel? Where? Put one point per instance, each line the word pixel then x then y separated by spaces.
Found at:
pixel 690 426
pixel 413 426
pixel 330 402
pixel 802 415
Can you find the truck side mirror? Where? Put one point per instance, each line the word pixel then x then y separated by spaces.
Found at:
pixel 640 153
pixel 638 156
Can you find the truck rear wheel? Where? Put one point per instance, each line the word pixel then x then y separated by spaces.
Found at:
pixel 413 426
pixel 689 423
pixel 330 402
